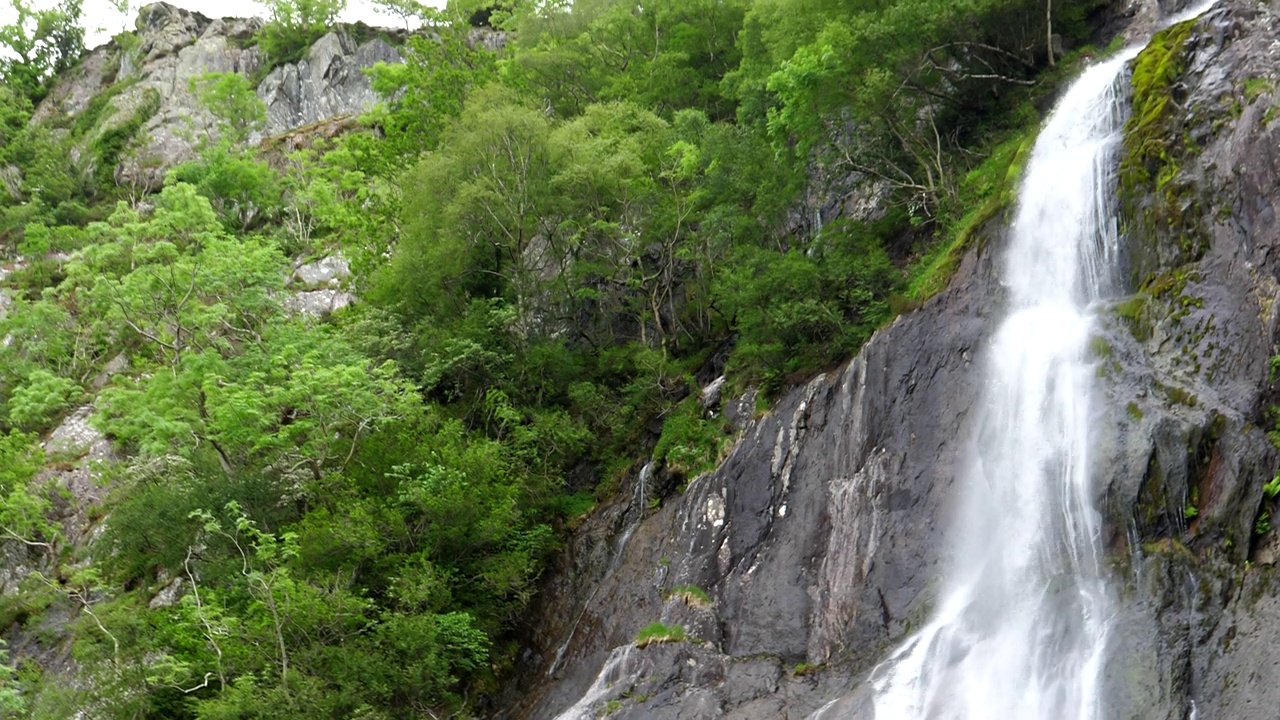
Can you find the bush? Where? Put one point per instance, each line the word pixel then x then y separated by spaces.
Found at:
pixel 293 25
pixel 42 398
pixel 689 444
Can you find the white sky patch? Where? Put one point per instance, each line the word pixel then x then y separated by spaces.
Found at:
pixel 101 20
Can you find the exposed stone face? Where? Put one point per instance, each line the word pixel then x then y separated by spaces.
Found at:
pixel 818 538
pixel 330 270
pixel 75 436
pixel 317 303
pixel 1187 454
pixel 166 29
pixel 177 46
pixel 822 535
pixel 328 82
pixel 76 90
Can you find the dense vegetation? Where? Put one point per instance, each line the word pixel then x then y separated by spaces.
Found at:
pixel 552 243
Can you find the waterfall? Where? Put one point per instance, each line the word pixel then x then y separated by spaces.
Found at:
pixel 1021 625
pixel 639 503
pixel 1022 620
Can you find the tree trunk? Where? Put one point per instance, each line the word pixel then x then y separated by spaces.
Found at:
pixel 1048 30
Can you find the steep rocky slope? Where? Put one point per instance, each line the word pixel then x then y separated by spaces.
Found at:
pixel 818 541
pixel 146 86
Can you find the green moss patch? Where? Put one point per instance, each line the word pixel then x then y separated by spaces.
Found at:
pixel 658 632
pixel 1161 208
pixel 989 189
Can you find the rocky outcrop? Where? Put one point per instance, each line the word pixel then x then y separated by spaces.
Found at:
pixel 145 86
pixel 316 287
pixel 819 539
pixel 328 82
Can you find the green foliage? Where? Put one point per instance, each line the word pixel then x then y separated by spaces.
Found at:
pixel 40 43
pixel 988 190
pixel 15 110
pixel 24 509
pixel 12 702
pixel 1256 87
pixel 803 669
pixel 1262 525
pixel 426 92
pixel 798 310
pixel 1272 488
pixel 915 76
pixel 293 25
pixel 39 401
pixel 550 242
pixel 110 143
pixel 690 443
pixel 241 188
pixel 658 632
pixel 690 595
pixel 230 97
pixel 666 55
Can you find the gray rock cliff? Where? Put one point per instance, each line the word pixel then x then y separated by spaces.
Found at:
pixel 819 540
pixel 147 83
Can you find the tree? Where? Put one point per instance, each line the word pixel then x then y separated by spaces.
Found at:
pixel 406 10
pixel 42 43
pixel 492 205
pixel 24 510
pixel 427 91
pixel 175 282
pixel 665 55
pixel 293 25
pixel 232 100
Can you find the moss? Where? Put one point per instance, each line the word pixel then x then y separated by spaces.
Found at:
pixel 1135 412
pixel 658 632
pixel 1152 502
pixel 690 595
pixel 1168 547
pixel 1178 396
pixel 1154 72
pixel 1131 311
pixel 1100 348
pixel 989 189
pixel 1157 198
pixel 802 669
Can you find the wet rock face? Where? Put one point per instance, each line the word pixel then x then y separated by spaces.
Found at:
pixel 821 536
pixel 1186 389
pixel 816 541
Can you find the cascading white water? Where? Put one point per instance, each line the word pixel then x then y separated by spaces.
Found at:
pixel 1021 627
pixel 1022 620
